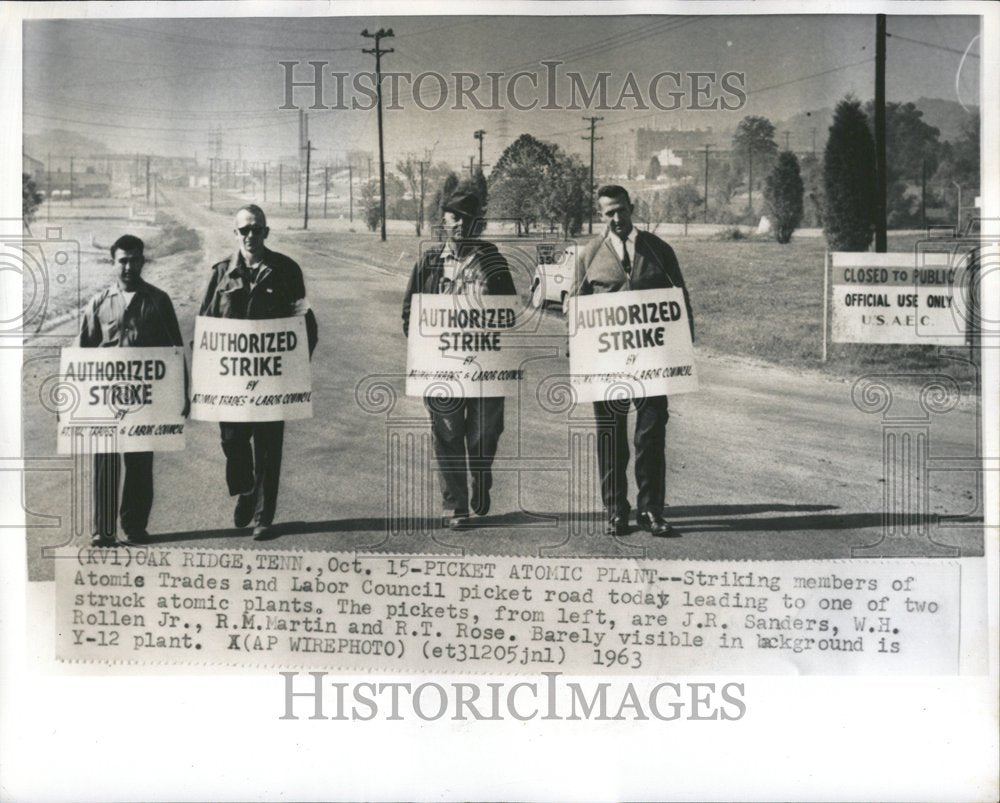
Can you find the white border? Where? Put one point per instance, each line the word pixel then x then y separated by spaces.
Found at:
pixel 114 737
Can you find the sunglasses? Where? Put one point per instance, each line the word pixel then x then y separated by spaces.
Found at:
pixel 245 230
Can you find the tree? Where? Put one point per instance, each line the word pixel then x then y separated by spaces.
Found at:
pixel 849 179
pixel 960 160
pixel 912 154
pixel 653 171
pixel 812 180
pixel 683 203
pixel 518 180
pixel 30 198
pixel 783 193
pixel 754 148
pixel 568 194
pixel 724 179
pixel 370 202
pixel 410 170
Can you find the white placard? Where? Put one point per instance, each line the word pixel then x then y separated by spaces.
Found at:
pixel 128 399
pixel 630 345
pixel 457 348
pixel 251 370
pixel 901 298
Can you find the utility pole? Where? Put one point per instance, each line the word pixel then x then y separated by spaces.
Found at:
pixel 880 158
pixel 923 192
pixel 420 214
pixel 378 52
pixel 281 183
pixel 592 138
pixel 480 134
pixel 309 149
pixel 706 182
pixel 155 190
pixel 326 188
pixel 958 209
pixel 298 188
pixel 48 183
pixel 472 171
pixel 211 192
pixel 350 191
pixel 265 182
pixel 71 193
pixel 147 178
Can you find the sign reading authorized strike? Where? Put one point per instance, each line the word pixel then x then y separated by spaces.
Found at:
pixel 631 344
pixel 896 298
pixel 126 399
pixel 454 347
pixel 251 370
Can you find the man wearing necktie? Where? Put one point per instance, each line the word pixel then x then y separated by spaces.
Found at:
pixel 255 283
pixel 465 432
pixel 625 258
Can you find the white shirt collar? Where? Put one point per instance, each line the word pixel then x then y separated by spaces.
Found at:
pixel 616 239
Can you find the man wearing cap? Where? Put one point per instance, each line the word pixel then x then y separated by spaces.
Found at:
pixel 255 283
pixel 622 259
pixel 465 432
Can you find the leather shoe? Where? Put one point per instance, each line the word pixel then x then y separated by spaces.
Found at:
pixel 456 520
pixel 262 532
pixel 243 514
pixel 617 525
pixel 480 499
pixel 133 538
pixel 656 525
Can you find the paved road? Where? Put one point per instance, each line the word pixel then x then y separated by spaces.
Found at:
pixel 763 462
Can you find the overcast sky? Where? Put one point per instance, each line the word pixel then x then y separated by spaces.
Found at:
pixel 163 86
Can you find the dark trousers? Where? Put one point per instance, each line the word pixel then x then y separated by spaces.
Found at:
pixel 650 459
pixel 465 433
pixel 255 469
pixel 136 493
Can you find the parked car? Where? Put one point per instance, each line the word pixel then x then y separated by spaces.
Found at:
pixel 555 271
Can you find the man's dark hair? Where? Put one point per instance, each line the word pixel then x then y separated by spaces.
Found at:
pixel 613 191
pixel 127 242
pixel 254 210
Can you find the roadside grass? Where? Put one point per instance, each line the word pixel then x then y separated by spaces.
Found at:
pixel 760 299
pixel 751 297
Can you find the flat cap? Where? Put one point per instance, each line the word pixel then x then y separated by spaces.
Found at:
pixel 463 203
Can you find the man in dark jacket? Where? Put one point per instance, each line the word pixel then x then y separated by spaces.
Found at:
pixel 255 283
pixel 465 431
pixel 622 259
pixel 131 312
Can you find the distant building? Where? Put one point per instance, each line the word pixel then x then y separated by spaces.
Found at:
pixel 87 183
pixel 34 168
pixel 671 146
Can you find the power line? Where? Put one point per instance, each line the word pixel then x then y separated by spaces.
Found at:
pixel 945 48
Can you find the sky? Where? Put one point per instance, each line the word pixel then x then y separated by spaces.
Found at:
pixel 167 86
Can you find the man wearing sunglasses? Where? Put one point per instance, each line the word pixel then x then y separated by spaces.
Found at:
pixel 255 283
